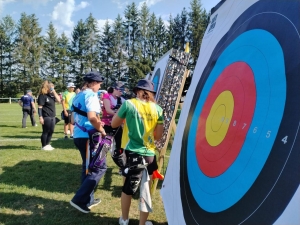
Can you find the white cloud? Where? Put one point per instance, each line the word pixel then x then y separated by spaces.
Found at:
pixel 63 12
pixel 120 4
pixel 82 5
pixel 101 23
pixel 149 3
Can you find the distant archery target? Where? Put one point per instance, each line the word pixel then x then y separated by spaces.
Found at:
pixel 156 79
pixel 238 149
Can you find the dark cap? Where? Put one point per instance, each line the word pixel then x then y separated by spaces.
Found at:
pixel 28 91
pixel 145 85
pixel 118 85
pixel 93 76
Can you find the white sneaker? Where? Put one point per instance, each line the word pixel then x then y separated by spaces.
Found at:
pixel 123 222
pixel 148 223
pixel 47 148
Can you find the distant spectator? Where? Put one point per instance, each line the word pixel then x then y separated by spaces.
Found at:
pixel 67 99
pixel 28 108
pixel 100 96
pixel 112 101
pixel 47 112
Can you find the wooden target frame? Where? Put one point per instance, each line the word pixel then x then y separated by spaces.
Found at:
pixel 168 97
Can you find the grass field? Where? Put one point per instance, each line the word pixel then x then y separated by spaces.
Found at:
pixel 36 186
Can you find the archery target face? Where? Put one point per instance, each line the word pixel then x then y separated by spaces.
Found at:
pixel 156 79
pixel 158 72
pixel 238 157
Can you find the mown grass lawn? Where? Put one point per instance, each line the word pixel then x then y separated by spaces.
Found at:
pixel 36 186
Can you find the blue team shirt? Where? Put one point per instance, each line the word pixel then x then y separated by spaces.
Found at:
pixel 26 99
pixel 86 101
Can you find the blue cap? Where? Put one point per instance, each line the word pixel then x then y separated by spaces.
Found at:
pixel 145 85
pixel 118 85
pixel 93 76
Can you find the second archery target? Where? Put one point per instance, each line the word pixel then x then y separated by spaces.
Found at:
pixel 238 148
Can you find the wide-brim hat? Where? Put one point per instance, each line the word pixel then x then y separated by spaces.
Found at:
pixel 93 76
pixel 144 85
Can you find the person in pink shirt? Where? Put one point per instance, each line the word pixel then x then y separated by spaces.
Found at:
pixel 112 101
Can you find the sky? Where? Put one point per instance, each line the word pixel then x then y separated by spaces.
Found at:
pixel 65 14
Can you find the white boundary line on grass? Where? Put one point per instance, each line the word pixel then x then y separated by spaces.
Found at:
pixel 25 139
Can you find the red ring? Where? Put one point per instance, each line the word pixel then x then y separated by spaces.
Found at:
pixel 239 79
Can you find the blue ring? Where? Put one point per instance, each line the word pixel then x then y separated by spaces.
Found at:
pixel 220 193
pixel 156 78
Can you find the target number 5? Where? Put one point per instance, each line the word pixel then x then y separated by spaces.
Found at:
pixel 268 134
pixel 284 140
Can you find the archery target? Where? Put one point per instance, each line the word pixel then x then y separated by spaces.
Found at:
pixel 238 161
pixel 158 72
pixel 156 79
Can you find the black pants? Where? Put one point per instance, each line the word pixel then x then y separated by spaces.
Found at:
pixel 115 131
pixel 28 111
pixel 48 129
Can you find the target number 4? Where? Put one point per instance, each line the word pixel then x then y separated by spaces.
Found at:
pixel 284 140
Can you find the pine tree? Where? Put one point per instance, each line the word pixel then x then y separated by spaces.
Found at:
pixel 92 44
pixel 29 45
pixel 119 50
pixel 170 37
pixel 161 36
pixel 136 67
pixel 144 31
pixel 180 30
pixel 78 50
pixel 7 39
pixel 50 54
pixel 198 20
pixel 106 48
pixel 63 59
pixel 144 59
pixel 152 39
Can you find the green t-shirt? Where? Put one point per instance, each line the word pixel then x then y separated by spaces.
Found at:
pixel 141 118
pixel 68 98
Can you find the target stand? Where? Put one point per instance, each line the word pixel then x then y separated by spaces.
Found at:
pixel 168 97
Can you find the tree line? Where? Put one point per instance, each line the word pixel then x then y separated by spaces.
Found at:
pixel 124 50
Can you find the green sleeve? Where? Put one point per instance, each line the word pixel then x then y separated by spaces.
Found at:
pixel 160 115
pixel 64 94
pixel 123 109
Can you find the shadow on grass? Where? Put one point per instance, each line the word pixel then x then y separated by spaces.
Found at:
pixel 46 176
pixel 10 126
pixel 16 136
pixel 39 132
pixel 107 179
pixel 18 147
pixel 37 210
pixel 64 144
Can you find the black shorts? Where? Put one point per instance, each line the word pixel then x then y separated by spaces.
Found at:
pixel 67 119
pixel 151 160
